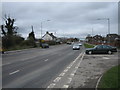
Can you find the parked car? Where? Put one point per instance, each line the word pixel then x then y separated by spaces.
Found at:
pixel 45 45
pixel 101 49
pixel 76 47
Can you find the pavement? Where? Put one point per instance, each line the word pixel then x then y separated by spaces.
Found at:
pixel 92 68
pixel 36 68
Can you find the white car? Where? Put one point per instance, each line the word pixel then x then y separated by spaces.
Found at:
pixel 76 47
pixel 80 44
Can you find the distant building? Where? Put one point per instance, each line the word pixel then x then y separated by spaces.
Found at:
pixel 49 37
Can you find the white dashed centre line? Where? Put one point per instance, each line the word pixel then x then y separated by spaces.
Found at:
pixel 14 72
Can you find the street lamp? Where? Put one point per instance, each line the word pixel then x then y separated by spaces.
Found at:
pixel 41 30
pixel 108 19
pixel 42 26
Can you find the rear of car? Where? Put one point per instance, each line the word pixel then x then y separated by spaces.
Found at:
pixel 45 45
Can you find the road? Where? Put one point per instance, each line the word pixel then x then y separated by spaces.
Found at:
pixel 36 68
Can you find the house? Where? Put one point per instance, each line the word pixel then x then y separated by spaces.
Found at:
pixel 112 37
pixel 49 37
pixel 98 39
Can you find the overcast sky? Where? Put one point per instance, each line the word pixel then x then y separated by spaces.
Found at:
pixel 71 19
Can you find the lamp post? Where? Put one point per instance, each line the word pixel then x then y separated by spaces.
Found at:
pixel 108 21
pixel 42 30
pixel 42 26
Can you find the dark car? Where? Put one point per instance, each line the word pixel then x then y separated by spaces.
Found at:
pixel 45 45
pixel 101 49
pixel 69 43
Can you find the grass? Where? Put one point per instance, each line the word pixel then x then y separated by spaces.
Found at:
pixel 110 78
pixel 88 45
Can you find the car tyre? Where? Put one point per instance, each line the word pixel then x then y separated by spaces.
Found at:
pixel 109 52
pixel 90 52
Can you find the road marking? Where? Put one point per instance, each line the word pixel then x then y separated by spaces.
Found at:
pixel 100 55
pixel 69 80
pixel 76 67
pixel 62 74
pixel 106 58
pixel 68 67
pixel 65 70
pixel 65 86
pixel 46 60
pixel 5 64
pixel 72 74
pixel 57 79
pixel 51 85
pixel 14 72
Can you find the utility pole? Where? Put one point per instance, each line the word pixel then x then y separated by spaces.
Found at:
pixel 92 35
pixel 108 19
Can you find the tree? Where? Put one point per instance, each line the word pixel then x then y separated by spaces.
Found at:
pixel 9 32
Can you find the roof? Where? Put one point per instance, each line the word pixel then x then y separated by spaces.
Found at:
pixel 51 34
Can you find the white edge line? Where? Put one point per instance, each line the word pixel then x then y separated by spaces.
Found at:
pixel 57 79
pixel 62 74
pixel 51 85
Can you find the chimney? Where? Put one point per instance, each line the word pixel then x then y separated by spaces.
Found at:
pixel 51 33
pixel 47 32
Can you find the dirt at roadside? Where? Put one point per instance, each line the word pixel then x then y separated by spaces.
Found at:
pixel 91 68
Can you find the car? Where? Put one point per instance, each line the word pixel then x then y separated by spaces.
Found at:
pixel 101 49
pixel 69 43
pixel 76 47
pixel 80 44
pixel 45 45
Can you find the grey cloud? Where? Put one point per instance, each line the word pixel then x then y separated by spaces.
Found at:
pixel 69 18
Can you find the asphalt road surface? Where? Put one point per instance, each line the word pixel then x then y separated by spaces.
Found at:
pixel 35 68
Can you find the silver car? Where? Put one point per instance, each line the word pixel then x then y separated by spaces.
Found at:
pixel 76 47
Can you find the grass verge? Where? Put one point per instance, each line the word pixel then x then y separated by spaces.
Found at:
pixel 110 78
pixel 88 45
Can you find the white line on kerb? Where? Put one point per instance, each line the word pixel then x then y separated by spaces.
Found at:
pixel 51 85
pixel 62 74
pixel 65 86
pixel 65 70
pixel 14 72
pixel 57 79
